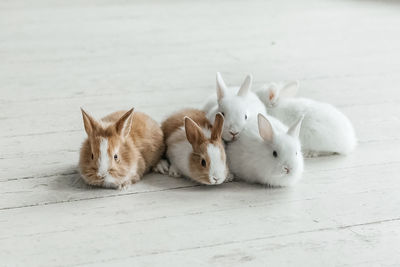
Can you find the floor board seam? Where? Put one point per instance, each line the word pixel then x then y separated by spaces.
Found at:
pixel 344 227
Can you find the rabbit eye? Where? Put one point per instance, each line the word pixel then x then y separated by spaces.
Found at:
pixel 275 154
pixel 92 155
pixel 115 156
pixel 203 163
pixel 223 114
pixel 245 116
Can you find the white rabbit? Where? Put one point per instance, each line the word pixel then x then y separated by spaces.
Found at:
pixel 325 130
pixel 269 156
pixel 239 106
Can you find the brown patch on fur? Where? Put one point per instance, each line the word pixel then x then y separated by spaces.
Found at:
pixel 199 172
pixel 136 139
pixel 176 120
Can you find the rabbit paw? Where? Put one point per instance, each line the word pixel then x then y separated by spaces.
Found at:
pixel 162 167
pixel 174 172
pixel 125 185
pixel 310 154
pixel 229 178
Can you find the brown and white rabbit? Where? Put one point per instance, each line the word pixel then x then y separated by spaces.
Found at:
pixel 195 148
pixel 120 148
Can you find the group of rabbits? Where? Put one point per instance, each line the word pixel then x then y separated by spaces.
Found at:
pixel 259 137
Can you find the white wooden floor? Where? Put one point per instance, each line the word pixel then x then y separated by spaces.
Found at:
pixel 159 56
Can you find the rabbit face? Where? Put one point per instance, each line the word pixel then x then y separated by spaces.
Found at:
pixel 208 163
pixel 236 115
pixel 287 159
pixel 109 161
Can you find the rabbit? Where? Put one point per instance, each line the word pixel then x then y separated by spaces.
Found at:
pixel 195 148
pixel 239 106
pixel 325 130
pixel 267 155
pixel 119 148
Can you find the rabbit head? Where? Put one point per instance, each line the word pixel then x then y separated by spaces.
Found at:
pixel 275 92
pixel 237 108
pixel 284 151
pixel 108 155
pixel 207 162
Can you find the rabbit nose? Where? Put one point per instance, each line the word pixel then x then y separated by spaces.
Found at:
pixel 214 180
pixel 286 169
pixel 233 133
pixel 101 174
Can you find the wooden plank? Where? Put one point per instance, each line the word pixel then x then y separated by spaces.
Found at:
pixel 66 188
pixel 274 54
pixel 156 223
pixel 328 247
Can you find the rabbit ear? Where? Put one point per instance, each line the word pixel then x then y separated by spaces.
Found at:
pixel 221 87
pixel 273 92
pixel 194 134
pixel 265 128
pixel 246 85
pixel 216 131
pixel 294 130
pixel 290 89
pixel 89 123
pixel 124 124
